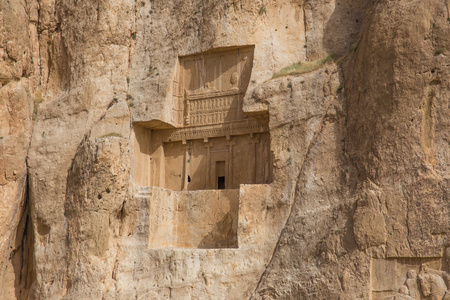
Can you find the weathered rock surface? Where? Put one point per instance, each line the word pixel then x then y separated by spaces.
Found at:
pixel 395 148
pixel 361 152
pixel 17 87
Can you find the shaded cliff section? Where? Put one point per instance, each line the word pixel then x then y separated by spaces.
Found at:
pixel 395 153
pixel 32 63
pixel 16 109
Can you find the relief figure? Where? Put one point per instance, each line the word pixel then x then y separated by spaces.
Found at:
pixel 403 294
pixel 411 284
pixel 433 286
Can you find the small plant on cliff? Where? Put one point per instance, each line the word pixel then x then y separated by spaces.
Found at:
pixel 262 9
pixel 300 68
pixel 112 134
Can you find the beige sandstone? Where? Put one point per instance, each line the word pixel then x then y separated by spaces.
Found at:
pixel 146 152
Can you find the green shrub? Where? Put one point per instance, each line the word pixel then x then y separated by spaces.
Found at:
pixel 262 10
pixel 115 134
pixel 300 68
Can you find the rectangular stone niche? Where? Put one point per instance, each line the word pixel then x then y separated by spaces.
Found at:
pixel 196 219
pixel 225 158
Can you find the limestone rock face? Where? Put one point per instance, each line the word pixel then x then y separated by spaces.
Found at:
pixel 121 121
pixel 17 89
pixel 395 147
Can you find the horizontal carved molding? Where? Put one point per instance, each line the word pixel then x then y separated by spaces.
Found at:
pixel 241 127
pixel 213 94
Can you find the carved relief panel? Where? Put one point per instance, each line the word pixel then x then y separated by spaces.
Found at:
pixel 409 279
pixel 211 85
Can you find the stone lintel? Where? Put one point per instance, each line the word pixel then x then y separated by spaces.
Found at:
pixel 242 127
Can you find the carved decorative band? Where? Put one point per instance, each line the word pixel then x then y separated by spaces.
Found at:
pixel 214 117
pixel 213 104
pixel 235 128
pixel 212 110
pixel 233 92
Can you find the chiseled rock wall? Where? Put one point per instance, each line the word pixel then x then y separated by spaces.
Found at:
pixel 361 147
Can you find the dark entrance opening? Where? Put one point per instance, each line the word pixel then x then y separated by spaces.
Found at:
pixel 220 175
pixel 221 182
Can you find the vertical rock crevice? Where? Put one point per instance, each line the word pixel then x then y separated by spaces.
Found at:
pixel 21 256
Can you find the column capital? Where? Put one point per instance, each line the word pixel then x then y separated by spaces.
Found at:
pixel 254 138
pixel 231 142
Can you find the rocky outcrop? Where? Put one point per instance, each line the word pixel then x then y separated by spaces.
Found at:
pixel 360 150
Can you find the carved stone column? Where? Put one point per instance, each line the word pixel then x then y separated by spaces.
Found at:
pixel 187 150
pixel 208 145
pixel 254 139
pixel 230 144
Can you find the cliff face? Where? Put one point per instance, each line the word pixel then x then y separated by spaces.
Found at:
pixel 392 146
pixel 359 149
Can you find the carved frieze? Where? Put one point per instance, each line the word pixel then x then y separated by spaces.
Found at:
pixel 216 109
pixel 409 279
pixel 242 127
pixel 210 86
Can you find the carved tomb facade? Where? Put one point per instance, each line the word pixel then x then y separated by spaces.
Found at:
pixel 210 146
